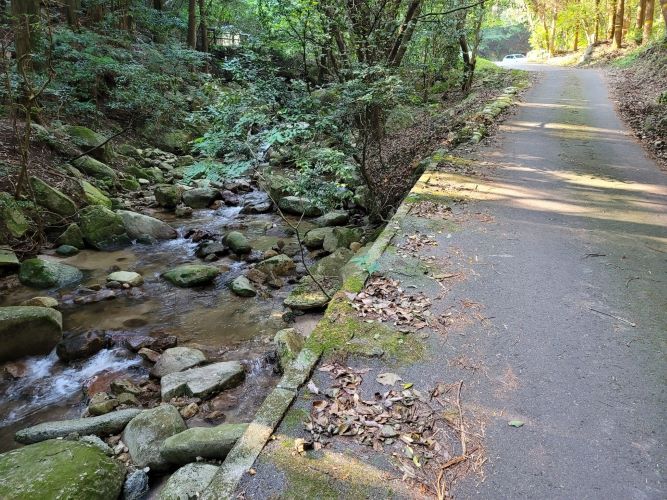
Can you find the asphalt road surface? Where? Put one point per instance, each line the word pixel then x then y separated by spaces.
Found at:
pixel 575 282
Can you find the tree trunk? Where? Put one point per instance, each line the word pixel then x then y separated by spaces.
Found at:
pixel 552 42
pixel 72 8
pixel 192 24
pixel 648 21
pixel 641 12
pixel 597 21
pixel 663 6
pixel 575 47
pixel 158 4
pixel 26 27
pixel 611 27
pixel 618 29
pixel 203 31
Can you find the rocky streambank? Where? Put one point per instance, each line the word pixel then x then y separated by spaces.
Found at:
pixel 159 307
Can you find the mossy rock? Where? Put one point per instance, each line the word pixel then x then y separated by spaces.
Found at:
pixel 94 196
pixel 341 237
pixel 87 139
pixel 238 243
pixel 38 273
pixel 314 238
pixel 298 205
pixel 280 265
pixel 130 184
pixel 189 275
pixel 12 217
pixel 174 141
pixel 289 343
pixel 168 196
pixel 60 469
pixel 72 236
pixel 95 168
pixel 308 296
pixel 101 228
pixel 28 331
pixel 52 198
pixel 8 259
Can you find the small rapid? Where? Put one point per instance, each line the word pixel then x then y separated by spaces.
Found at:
pixel 47 381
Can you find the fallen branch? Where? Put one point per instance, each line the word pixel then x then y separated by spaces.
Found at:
pixel 633 325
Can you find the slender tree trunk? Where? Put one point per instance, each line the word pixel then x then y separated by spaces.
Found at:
pixel 611 27
pixel 554 23
pixel 597 21
pixel 663 6
pixel 203 32
pixel 641 12
pixel 158 4
pixel 647 31
pixel 72 8
pixel 26 19
pixel 192 24
pixel 618 29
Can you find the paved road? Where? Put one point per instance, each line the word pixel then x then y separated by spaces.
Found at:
pixel 580 223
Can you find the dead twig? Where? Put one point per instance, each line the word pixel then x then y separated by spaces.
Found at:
pixel 627 322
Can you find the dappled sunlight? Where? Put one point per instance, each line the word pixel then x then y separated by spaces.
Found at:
pixel 564 126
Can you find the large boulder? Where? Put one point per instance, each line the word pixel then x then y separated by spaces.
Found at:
pixel 200 197
pixel 8 259
pixel 314 238
pixel 333 218
pixel 12 219
pixel 237 242
pixel 95 168
pixel 52 199
pixel 87 139
pixel 279 265
pixel 341 237
pixel 298 205
pixel 177 359
pixel 146 432
pixel 60 469
pixel 212 443
pixel 105 425
pixel 72 237
pixel 81 345
pixel 174 141
pixel 308 296
pixel 28 331
pixel 242 287
pixel 102 229
pixel 38 273
pixel 189 275
pixel 168 196
pixel 93 195
pixel 204 381
pixel 188 482
pixel 139 225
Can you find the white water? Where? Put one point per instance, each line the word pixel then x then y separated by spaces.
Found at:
pixel 48 381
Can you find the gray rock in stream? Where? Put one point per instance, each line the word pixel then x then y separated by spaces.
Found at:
pixel 138 225
pixel 28 330
pixel 188 482
pixel 207 442
pixel 104 425
pixel 146 432
pixel 177 359
pixel 200 382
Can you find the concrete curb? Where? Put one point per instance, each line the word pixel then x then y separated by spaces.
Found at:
pixel 243 455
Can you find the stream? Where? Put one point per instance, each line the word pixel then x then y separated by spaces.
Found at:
pixel 224 326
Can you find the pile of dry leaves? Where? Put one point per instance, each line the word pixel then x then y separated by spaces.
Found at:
pixel 423 432
pixel 385 300
pixel 415 243
pixel 430 209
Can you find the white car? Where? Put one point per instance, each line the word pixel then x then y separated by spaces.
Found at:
pixel 513 57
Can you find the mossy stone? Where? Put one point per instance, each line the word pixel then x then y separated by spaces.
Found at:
pixel 95 168
pixel 60 469
pixel 87 139
pixel 72 236
pixel 101 228
pixel 189 275
pixel 94 196
pixel 38 273
pixel 12 217
pixel 52 199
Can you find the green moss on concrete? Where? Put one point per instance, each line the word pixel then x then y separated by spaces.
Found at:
pixel 342 330
pixel 293 420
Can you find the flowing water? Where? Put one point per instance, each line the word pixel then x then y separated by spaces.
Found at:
pixel 210 318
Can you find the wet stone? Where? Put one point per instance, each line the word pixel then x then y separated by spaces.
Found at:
pixel 177 359
pixel 204 381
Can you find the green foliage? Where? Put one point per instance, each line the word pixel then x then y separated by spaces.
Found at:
pixel 215 171
pixel 111 74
